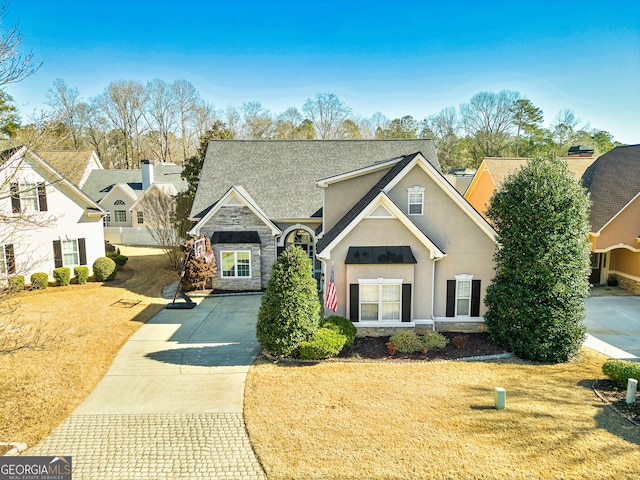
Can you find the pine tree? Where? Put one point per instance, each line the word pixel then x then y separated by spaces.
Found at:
pixel 290 309
pixel 536 300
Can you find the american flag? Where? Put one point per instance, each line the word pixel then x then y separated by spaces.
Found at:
pixel 331 300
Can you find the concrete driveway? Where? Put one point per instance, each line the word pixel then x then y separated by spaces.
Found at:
pixel 170 406
pixel 616 321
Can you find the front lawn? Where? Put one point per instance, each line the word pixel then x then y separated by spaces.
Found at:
pixel 436 421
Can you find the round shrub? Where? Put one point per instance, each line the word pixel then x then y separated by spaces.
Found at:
pixel 406 341
pixel 62 276
pixel 120 260
pixel 620 371
pixel 81 274
pixel 326 343
pixel 16 283
pixel 343 326
pixel 290 308
pixel 433 340
pixel 39 281
pixel 104 269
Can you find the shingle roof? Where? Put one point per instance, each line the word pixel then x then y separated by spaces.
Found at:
pixel 501 168
pixel 613 180
pixel 280 174
pixel 100 182
pixel 69 163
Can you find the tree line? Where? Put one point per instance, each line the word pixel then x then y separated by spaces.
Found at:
pixel 166 122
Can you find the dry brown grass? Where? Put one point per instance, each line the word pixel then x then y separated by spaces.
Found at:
pixel 40 388
pixel 437 421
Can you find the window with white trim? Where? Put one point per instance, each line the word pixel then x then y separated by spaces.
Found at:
pixel 140 217
pixel 70 253
pixel 236 264
pixel 380 300
pixel 106 219
pixel 416 200
pixel 463 295
pixel 28 197
pixel 120 216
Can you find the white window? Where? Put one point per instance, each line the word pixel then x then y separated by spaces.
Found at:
pixel 29 197
pixel 120 216
pixel 70 253
pixel 236 264
pixel 463 295
pixel 106 219
pixel 380 300
pixel 416 200
pixel 140 217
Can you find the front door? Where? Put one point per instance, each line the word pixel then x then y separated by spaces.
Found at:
pixel 596 268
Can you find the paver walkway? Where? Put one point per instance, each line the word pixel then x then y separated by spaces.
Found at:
pixel 170 406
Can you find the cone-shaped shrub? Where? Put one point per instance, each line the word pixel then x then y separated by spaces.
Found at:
pixel 290 309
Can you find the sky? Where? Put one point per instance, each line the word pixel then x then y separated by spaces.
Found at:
pixel 398 58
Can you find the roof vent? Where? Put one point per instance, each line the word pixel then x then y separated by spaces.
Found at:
pixel 580 151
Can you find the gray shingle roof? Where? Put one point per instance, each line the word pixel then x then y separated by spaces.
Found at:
pixel 613 180
pixel 100 182
pixel 280 174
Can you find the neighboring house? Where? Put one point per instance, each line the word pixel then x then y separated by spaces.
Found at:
pixel 75 166
pixel 47 221
pixel 613 181
pixel 493 171
pixel 121 193
pixel 405 247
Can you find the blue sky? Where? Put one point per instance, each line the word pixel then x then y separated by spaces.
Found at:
pixel 398 58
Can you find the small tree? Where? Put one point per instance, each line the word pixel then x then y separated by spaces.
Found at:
pixel 290 309
pixel 159 213
pixel 535 302
pixel 199 270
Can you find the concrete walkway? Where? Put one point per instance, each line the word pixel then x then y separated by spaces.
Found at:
pixel 170 406
pixel 613 324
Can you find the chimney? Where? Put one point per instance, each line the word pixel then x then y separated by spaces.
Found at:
pixel 147 174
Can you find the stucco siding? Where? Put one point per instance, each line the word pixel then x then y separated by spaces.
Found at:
pixel 625 261
pixel 480 191
pixel 622 229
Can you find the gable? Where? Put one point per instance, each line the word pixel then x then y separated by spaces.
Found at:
pixel 119 192
pixel 281 174
pixel 622 230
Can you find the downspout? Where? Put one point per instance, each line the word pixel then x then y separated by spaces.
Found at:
pixel 433 288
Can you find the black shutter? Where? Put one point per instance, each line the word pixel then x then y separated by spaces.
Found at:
pixel 15 198
pixel 451 298
pixel 10 259
pixel 475 298
pixel 354 302
pixel 42 197
pixel 82 251
pixel 57 253
pixel 406 302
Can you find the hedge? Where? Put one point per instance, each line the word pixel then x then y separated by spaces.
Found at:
pixel 81 274
pixel 620 371
pixel 62 276
pixel 39 281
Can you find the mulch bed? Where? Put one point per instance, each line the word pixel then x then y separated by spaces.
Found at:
pixel 375 348
pixel 616 396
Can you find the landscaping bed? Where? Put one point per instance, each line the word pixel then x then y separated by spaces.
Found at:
pixel 610 392
pixel 475 345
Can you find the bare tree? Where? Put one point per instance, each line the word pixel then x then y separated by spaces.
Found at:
pixel 288 123
pixel 187 100
pixel 161 114
pixel 159 214
pixel 327 112
pixel 258 123
pixel 233 121
pixel 65 102
pixel 443 127
pixel 14 66
pixel 122 103
pixel 205 115
pixel 43 132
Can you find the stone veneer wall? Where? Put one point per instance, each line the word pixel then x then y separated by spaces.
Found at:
pixel 251 283
pixel 627 283
pixel 465 327
pixel 241 219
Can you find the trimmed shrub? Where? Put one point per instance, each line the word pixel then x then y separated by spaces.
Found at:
pixel 406 341
pixel 326 343
pixel 120 260
pixel 620 371
pixel 459 341
pixel 81 274
pixel 62 276
pixel 16 283
pixel 433 340
pixel 39 281
pixel 343 326
pixel 104 269
pixel 290 308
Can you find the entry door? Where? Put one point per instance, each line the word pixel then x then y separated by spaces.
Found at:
pixel 596 268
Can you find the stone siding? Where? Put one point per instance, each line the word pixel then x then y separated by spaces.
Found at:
pixel 236 284
pixel 627 283
pixel 464 327
pixel 241 219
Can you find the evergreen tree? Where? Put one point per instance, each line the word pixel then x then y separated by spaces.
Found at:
pixel 290 309
pixel 535 302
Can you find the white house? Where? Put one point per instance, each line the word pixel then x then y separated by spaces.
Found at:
pixel 46 221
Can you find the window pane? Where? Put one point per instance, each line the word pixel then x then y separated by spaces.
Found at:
pixel 228 264
pixel 463 306
pixel 391 311
pixel 369 312
pixel 29 196
pixel 369 293
pixel 464 289
pixel 390 293
pixel 70 252
pixel 244 264
pixel 119 215
pixel 140 217
pixel 3 262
